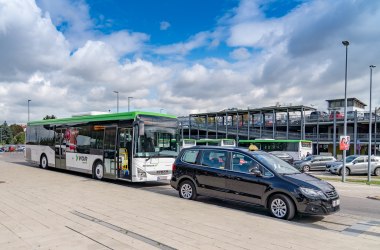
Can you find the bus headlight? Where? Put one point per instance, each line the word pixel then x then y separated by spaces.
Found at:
pixel 141 173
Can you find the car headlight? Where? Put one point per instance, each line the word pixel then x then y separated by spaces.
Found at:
pixel 312 193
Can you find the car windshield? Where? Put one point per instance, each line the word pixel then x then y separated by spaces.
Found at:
pixel 309 158
pixel 274 163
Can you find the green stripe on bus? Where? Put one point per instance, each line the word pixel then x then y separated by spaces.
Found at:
pixel 98 118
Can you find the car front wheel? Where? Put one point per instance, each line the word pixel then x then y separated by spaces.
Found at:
pixel 347 172
pixel 281 207
pixel 187 190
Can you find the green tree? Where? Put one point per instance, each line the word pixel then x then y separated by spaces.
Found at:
pixel 48 117
pixel 19 138
pixel 5 134
pixel 15 128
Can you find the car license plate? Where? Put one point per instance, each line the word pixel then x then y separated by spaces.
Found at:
pixel 160 178
pixel 335 203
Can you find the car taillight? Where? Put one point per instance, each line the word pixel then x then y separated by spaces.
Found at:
pixel 173 167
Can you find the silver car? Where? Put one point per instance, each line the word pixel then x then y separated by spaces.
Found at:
pixel 314 162
pixel 357 164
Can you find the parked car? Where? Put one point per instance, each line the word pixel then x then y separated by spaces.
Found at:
pixel 283 156
pixel 318 116
pixel 356 164
pixel 2 150
pixel 20 148
pixel 338 116
pixel 254 177
pixel 351 116
pixel 314 162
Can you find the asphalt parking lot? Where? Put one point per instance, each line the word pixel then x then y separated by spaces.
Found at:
pixel 61 210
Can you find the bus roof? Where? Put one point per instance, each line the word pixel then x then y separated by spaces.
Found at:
pixel 97 118
pixel 213 140
pixel 274 140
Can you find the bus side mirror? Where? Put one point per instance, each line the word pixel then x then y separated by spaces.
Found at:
pixel 141 128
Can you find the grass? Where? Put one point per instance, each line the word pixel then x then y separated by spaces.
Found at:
pixel 374 181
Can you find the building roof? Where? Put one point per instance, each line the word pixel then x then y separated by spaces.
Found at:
pixel 348 99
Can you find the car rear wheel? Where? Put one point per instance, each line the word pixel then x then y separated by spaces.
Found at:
pixel 306 168
pixel 347 172
pixel 281 207
pixel 187 190
pixel 377 171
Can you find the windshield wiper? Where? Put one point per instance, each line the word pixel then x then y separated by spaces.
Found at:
pixel 152 156
pixel 291 173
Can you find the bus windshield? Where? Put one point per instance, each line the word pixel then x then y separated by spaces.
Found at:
pixel 157 140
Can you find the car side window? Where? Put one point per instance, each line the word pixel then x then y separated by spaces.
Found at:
pixel 243 163
pixel 190 156
pixel 360 160
pixel 240 162
pixel 214 158
pixel 266 172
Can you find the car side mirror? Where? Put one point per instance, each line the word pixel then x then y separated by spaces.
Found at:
pixel 256 172
pixel 354 162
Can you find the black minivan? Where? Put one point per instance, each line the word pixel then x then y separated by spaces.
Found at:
pixel 254 177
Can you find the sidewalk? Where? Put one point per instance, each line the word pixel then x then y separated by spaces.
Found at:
pixel 357 190
pixel 56 210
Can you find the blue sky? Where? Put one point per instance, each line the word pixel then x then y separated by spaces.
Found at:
pixel 68 56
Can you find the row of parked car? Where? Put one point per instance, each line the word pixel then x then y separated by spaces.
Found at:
pixel 355 164
pixel 12 148
pixel 324 116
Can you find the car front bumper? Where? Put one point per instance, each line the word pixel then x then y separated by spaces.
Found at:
pixel 319 207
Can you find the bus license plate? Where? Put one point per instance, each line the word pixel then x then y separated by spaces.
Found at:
pixel 160 178
pixel 335 203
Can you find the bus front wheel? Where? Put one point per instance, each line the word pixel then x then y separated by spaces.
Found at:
pixel 98 170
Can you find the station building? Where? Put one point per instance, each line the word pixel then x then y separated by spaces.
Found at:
pixel 290 122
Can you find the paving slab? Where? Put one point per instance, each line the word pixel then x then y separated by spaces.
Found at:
pixel 48 209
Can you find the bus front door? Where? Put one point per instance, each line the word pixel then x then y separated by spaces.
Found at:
pixel 109 152
pixel 124 153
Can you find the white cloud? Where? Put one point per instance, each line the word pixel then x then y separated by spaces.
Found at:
pixel 199 40
pixel 297 58
pixel 164 25
pixel 240 54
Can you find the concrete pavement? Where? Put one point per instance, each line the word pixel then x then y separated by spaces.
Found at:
pixel 54 210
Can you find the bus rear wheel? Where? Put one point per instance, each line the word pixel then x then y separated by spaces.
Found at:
pixel 98 172
pixel 44 162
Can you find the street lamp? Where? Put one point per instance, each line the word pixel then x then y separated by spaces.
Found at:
pixel 129 102
pixel 117 100
pixel 345 43
pixel 28 110
pixel 370 123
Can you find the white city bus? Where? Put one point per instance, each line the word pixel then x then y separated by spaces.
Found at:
pixel 131 146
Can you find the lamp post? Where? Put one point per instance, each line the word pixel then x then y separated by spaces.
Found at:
pixel 28 110
pixel 345 43
pixel 370 124
pixel 129 102
pixel 117 100
pixel 375 131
